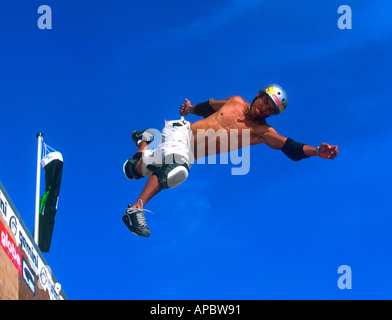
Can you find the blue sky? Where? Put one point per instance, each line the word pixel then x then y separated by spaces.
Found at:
pixel 281 231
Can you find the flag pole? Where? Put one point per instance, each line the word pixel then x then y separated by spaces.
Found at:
pixel 37 186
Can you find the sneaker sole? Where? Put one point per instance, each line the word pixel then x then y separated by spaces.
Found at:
pixel 125 219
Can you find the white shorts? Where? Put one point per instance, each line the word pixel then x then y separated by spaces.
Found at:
pixel 175 143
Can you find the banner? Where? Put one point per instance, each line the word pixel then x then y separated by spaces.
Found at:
pixel 11 248
pixel 53 165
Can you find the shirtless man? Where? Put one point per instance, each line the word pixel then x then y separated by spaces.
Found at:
pixel 183 139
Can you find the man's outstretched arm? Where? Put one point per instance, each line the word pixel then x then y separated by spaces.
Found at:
pixel 297 151
pixel 203 109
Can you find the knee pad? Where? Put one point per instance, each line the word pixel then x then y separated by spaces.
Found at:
pixel 129 167
pixel 172 175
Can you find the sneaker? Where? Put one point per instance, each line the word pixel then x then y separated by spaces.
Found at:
pixel 135 221
pixel 144 135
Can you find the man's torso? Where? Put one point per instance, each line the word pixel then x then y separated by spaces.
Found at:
pixel 227 129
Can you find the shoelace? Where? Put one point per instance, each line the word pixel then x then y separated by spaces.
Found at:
pixel 139 213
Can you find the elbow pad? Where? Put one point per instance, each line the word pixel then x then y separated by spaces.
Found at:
pixel 203 109
pixel 294 150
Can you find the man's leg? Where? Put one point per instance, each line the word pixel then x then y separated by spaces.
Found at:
pixel 141 147
pixel 165 175
pixel 151 188
pixel 134 216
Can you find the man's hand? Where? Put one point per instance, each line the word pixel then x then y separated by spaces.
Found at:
pixel 185 108
pixel 328 152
